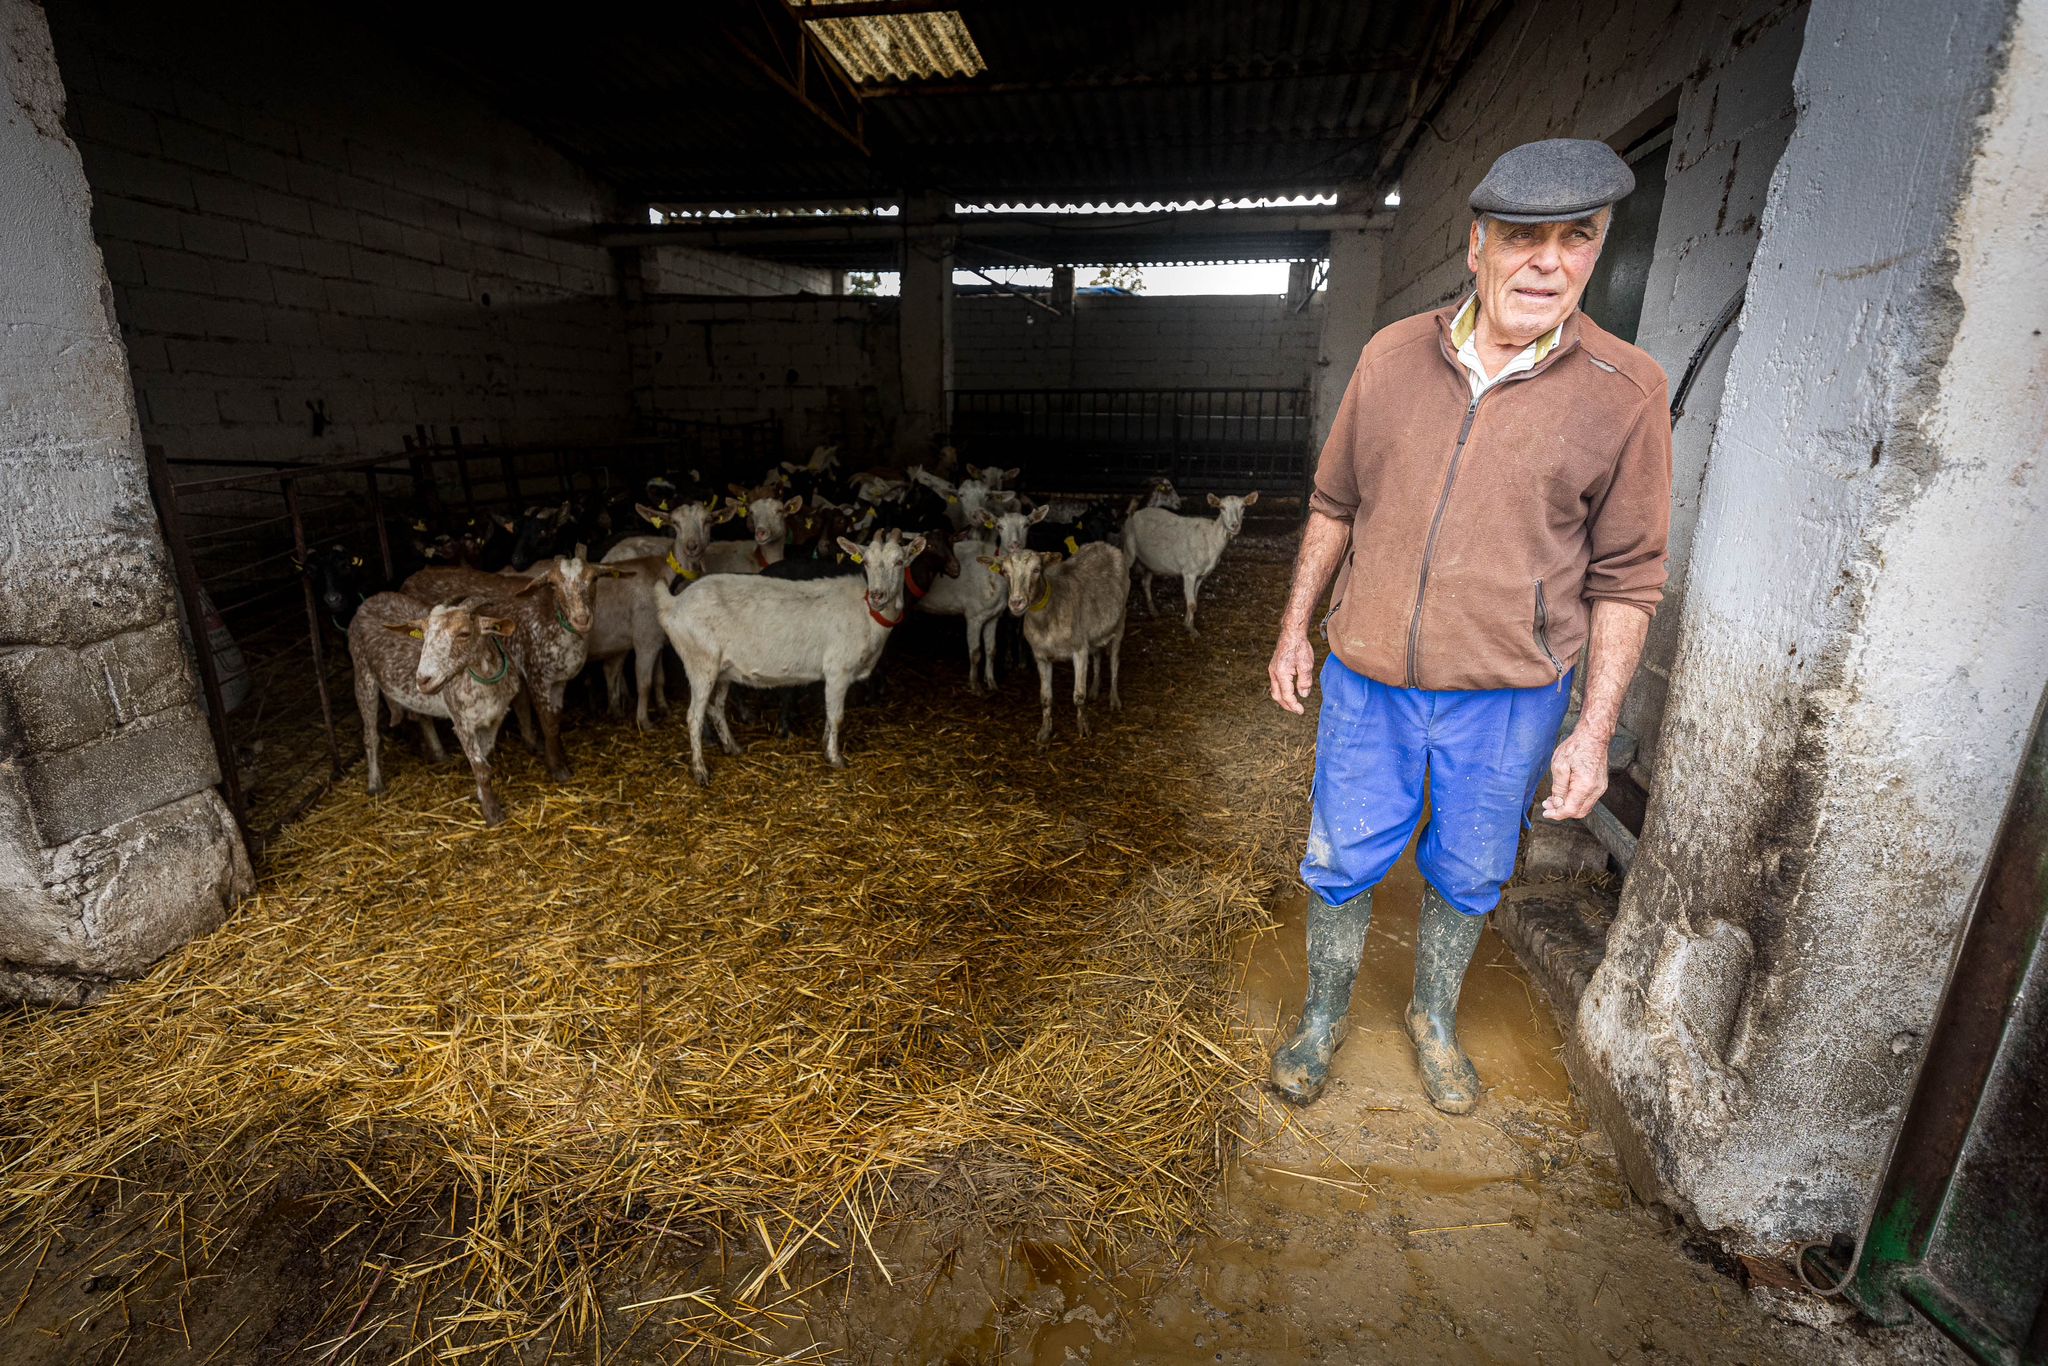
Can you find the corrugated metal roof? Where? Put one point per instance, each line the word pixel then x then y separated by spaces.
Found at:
pixel 897 47
pixel 723 101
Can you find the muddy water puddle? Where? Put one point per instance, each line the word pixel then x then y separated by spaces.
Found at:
pixel 1370 1228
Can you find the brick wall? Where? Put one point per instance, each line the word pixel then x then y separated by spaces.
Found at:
pixel 1251 341
pixel 293 214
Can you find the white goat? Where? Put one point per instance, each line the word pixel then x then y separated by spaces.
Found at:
pixel 775 633
pixel 1162 542
pixel 976 597
pixel 1072 609
pixel 685 533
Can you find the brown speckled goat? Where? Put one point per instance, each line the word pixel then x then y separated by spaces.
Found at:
pixel 454 662
pixel 553 609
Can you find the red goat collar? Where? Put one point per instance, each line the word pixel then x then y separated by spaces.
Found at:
pixel 880 620
pixel 910 583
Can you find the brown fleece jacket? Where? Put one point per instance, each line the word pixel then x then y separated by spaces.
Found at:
pixel 1483 530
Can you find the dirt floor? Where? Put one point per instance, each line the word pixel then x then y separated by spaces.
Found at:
pixel 1368 1228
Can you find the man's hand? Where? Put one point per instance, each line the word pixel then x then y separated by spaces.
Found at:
pixel 1578 775
pixel 1292 672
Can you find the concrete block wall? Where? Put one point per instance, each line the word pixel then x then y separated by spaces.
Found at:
pixel 1611 63
pixel 825 367
pixel 828 367
pixel 292 214
pixel 686 270
pixel 1108 341
pixel 114 847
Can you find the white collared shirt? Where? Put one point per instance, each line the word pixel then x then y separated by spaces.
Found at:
pixel 1465 335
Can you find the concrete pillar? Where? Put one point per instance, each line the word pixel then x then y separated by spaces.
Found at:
pixel 1063 288
pixel 1861 650
pixel 114 847
pixel 1351 300
pixel 925 326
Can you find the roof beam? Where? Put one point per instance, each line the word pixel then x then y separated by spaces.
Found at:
pixel 1224 73
pixel 802 69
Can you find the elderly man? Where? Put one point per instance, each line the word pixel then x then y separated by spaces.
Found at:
pixel 1497 488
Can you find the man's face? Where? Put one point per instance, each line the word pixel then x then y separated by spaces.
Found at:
pixel 1530 275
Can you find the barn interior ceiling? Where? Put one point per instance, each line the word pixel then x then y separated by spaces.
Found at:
pixel 732 102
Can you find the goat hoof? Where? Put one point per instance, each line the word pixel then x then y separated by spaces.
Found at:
pixel 494 818
pixel 562 773
pixel 702 775
pixel 377 788
pixel 733 749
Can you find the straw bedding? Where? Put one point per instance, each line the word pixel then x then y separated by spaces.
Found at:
pixel 540 1082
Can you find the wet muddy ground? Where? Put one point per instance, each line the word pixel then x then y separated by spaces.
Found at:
pixel 1376 1229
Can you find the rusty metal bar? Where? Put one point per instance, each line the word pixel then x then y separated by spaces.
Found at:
pixel 291 498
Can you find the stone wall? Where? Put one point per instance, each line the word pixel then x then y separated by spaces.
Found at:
pixel 305 228
pixel 1860 654
pixel 114 847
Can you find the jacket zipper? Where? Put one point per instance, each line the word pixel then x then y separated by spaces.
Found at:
pixel 1435 523
pixel 1443 500
pixel 1543 632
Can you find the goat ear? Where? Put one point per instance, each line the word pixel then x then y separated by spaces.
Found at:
pixel 1038 514
pixel 496 626
pixel 735 490
pixel 853 549
pixel 793 506
pixel 416 628
pixel 990 563
pixel 611 571
pixel 913 547
pixel 1049 558
pixel 1251 498
pixel 988 521
pixel 532 585
pixel 659 517
pixel 505 522
pixel 1214 501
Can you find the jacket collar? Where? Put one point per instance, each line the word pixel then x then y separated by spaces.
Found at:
pixel 1566 334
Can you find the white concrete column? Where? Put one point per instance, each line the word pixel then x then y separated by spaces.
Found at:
pixel 1861 649
pixel 114 847
pixel 925 323
pixel 1351 300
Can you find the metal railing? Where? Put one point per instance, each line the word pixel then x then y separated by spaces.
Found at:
pixel 1204 440
pixel 272 664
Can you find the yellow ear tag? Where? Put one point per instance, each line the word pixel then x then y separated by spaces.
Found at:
pixel 419 526
pixel 418 635
pixel 951 499
pixel 1072 549
pixel 858 560
pixel 355 562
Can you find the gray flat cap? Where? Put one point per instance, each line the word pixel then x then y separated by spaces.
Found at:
pixel 1553 181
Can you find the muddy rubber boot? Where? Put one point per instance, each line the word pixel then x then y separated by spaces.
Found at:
pixel 1444 940
pixel 1336 939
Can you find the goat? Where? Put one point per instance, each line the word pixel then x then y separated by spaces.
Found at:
pixel 1162 542
pixel 974 594
pixel 555 616
pixel 685 533
pixel 1072 609
pixel 456 662
pixel 768 633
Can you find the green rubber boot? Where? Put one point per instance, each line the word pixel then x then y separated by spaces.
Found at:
pixel 1336 939
pixel 1444 941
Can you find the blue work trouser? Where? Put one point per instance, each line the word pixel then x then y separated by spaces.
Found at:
pixel 1483 754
